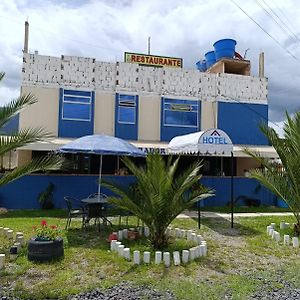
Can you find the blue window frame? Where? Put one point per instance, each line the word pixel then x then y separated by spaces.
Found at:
pixel 127 109
pixel 180 113
pixel 77 106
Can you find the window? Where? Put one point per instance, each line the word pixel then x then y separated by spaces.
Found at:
pixel 183 113
pixel 126 109
pixel 77 105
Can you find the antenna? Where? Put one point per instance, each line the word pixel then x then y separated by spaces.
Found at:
pixel 246 52
pixel 149 38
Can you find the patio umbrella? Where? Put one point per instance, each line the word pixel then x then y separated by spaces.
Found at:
pixel 102 145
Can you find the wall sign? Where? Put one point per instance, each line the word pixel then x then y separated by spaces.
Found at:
pixel 153 60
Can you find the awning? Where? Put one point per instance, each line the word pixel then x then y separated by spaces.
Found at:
pixel 150 146
pixel 210 142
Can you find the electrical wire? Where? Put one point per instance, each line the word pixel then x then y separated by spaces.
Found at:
pixel 295 37
pixel 282 27
pixel 265 31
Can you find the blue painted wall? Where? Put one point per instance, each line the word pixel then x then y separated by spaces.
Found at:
pixel 11 126
pixel 126 131
pixel 241 122
pixel 168 132
pixel 74 128
pixel 23 193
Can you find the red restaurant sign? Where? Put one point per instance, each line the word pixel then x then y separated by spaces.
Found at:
pixel 153 60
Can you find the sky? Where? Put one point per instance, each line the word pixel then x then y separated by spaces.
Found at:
pixel 105 29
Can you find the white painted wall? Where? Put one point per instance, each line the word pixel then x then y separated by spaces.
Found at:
pixel 80 72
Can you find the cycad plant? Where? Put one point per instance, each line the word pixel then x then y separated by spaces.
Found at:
pixel 22 138
pixel 284 182
pixel 160 194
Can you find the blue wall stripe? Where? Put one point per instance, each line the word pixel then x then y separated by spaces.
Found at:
pixel 241 122
pixel 80 186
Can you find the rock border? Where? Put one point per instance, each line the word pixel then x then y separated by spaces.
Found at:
pixel 286 238
pixel 186 256
pixel 17 244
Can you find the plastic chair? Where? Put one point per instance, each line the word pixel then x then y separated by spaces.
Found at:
pixel 75 209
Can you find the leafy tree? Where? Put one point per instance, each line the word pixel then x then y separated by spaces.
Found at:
pixel 160 194
pixel 21 138
pixel 284 182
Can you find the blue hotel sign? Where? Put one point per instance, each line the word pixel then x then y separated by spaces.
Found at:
pixel 215 137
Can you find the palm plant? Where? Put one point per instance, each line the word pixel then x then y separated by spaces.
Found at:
pixel 22 138
pixel 283 182
pixel 159 195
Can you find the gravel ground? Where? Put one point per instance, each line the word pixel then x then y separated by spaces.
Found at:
pixel 125 291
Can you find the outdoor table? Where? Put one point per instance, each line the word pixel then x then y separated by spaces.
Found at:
pixel 96 209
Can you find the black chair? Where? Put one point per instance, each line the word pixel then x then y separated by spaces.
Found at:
pixel 75 209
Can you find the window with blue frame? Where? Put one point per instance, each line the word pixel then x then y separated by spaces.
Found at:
pixel 180 113
pixel 127 109
pixel 77 105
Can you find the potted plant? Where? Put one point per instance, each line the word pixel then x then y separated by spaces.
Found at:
pixel 46 245
pixel 46 197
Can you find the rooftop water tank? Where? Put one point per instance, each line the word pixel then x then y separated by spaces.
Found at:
pixel 210 58
pixel 224 48
pixel 201 65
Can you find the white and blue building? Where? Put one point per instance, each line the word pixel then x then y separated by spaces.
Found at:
pixel 147 106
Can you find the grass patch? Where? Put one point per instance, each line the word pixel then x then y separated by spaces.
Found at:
pixel 233 254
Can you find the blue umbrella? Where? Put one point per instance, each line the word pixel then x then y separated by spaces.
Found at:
pixel 102 145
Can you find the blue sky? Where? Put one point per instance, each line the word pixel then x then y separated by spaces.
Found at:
pixel 186 28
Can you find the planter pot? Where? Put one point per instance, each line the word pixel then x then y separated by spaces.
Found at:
pixel 45 251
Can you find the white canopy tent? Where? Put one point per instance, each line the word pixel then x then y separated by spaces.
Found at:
pixel 210 142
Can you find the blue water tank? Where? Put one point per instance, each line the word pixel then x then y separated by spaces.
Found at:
pixel 224 48
pixel 201 65
pixel 210 58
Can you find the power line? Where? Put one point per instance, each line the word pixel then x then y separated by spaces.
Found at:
pixel 283 14
pixel 265 31
pixel 282 27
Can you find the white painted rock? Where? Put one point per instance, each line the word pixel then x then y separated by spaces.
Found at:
pixel 125 233
pixel 203 249
pixel 147 257
pixel 167 259
pixel 192 253
pixel 113 245
pixel 146 231
pixel 2 261
pixel 268 229
pixel 121 250
pixel 282 225
pixel 273 225
pixel 295 242
pixel 126 253
pixel 21 240
pixel 183 233
pixel 120 235
pixel 271 231
pixel 199 239
pixel 158 257
pixel 176 258
pixel 136 257
pixel 185 256
pixel 10 234
pixel 286 239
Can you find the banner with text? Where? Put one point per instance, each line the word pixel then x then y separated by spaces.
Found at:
pixel 153 60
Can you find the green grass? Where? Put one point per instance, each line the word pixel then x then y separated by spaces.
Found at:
pixel 233 255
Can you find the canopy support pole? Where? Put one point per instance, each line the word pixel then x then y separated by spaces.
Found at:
pixel 231 189
pixel 99 183
pixel 198 204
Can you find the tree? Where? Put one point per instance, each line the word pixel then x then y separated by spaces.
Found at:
pixel 160 194
pixel 283 182
pixel 23 137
